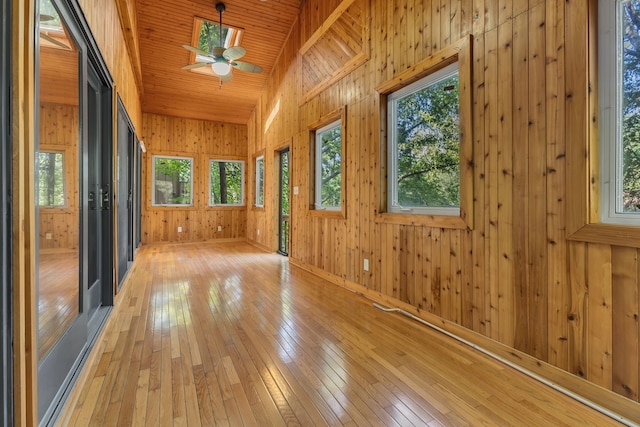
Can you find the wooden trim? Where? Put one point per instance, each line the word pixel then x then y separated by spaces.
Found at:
pixel 440 221
pixel 343 71
pixel 23 214
pixel 580 386
pixel 460 51
pixel 130 32
pixel 326 25
pixel 429 65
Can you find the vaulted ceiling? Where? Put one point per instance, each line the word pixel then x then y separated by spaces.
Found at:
pixel 164 26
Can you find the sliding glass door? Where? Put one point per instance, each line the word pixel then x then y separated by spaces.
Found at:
pixel 74 262
pixel 6 312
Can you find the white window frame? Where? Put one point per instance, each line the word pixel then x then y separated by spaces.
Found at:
pixel 318 166
pixel 241 162
pixel 259 185
pixel 611 86
pixel 392 101
pixel 153 181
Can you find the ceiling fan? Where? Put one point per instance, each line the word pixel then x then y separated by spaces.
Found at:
pixel 221 59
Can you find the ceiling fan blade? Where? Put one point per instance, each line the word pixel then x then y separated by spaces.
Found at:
pixel 196 50
pixel 218 51
pixel 226 77
pixel 196 65
pixel 247 66
pixel 54 41
pixel 233 53
pixel 45 18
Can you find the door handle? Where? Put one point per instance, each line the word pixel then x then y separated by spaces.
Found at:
pixel 105 198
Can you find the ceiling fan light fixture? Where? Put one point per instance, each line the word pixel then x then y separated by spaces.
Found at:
pixel 221 67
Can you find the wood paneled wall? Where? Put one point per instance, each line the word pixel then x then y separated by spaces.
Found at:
pixel 59 130
pixel 516 277
pixel 200 140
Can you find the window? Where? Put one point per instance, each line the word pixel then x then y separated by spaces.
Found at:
pixel 51 189
pixel 619 100
pixel 424 145
pixel 328 169
pixel 226 183
pixel 260 181
pixel 172 181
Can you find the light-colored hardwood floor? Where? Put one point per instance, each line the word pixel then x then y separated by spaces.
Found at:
pixel 57 296
pixel 223 334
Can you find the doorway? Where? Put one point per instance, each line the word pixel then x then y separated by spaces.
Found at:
pixel 284 209
pixel 124 192
pixel 6 312
pixel 73 171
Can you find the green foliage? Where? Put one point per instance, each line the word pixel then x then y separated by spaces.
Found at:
pixel 172 181
pixel 260 182
pixel 331 168
pixel 631 108
pixel 428 146
pixel 209 37
pixel 284 182
pixel 226 183
pixel 51 179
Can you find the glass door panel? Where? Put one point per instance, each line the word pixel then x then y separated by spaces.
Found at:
pixel 57 180
pixel 284 211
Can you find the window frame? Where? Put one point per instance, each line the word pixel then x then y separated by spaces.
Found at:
pixel 459 52
pixel 259 188
pixel 242 183
pixel 65 186
pixel 392 142
pixel 610 86
pixel 583 221
pixel 325 122
pixel 153 181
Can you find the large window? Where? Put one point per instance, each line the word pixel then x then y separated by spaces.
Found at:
pixel 51 190
pixel 172 181
pixel 619 99
pixel 424 145
pixel 328 167
pixel 226 182
pixel 260 181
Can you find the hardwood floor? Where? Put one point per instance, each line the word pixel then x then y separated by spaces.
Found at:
pixel 223 334
pixel 57 296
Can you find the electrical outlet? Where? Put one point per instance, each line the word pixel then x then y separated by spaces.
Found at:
pixel 366 264
pixel 48 236
pixel 258 231
pixel 219 228
pixel 179 229
pixel 296 190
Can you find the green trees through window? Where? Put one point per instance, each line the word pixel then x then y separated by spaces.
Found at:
pixel 631 106
pixel 172 180
pixel 329 166
pixel 51 179
pixel 226 182
pixel 424 147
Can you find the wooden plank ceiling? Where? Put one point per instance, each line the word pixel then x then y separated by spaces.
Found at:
pixel 167 25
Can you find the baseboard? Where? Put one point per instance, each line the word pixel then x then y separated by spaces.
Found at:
pixel 601 396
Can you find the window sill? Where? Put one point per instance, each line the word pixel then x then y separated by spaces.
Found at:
pixel 257 208
pixel 226 208
pixel 173 208
pixel 608 234
pixel 439 221
pixel 327 214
